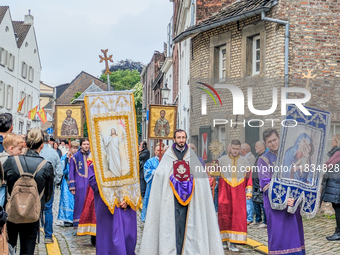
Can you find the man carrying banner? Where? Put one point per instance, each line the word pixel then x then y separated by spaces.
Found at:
pixel 180 218
pixel 285 230
pixel 117 232
pixel 78 175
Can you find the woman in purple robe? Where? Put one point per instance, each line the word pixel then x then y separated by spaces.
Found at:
pixel 117 233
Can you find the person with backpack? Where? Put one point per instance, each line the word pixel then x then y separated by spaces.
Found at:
pixel 30 185
pixel 52 156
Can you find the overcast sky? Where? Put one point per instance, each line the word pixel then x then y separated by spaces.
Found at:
pixel 71 33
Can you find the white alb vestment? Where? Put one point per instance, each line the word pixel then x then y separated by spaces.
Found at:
pixel 202 232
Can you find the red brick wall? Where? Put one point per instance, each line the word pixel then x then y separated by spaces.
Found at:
pixel 205 8
pixel 152 71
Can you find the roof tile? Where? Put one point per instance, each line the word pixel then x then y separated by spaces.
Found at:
pixel 21 29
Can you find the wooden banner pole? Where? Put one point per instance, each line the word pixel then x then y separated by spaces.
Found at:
pixel 160 149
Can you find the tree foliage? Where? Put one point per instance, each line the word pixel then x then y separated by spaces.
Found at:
pixel 75 96
pixel 127 64
pixel 128 80
pixel 138 94
pixel 122 79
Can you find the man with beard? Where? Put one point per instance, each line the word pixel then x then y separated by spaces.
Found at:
pixel 285 230
pixel 178 183
pixel 69 126
pixel 235 186
pixel 78 175
pixel 162 126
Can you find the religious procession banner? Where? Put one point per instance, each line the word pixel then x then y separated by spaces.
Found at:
pixel 162 121
pixel 300 165
pixel 68 121
pixel 111 121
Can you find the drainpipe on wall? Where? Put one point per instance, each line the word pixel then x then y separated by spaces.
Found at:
pixel 192 12
pixel 286 23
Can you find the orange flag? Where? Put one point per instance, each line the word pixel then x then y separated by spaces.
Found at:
pixel 31 113
pixel 21 103
pixel 42 115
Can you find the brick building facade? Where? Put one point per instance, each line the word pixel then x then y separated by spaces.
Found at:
pixel 152 80
pixel 249 52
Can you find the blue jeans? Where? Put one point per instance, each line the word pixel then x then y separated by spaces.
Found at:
pixel 49 218
pixel 250 210
pixel 2 196
pixel 258 214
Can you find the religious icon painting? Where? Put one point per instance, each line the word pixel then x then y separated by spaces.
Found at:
pixel 162 121
pixel 111 120
pixel 299 168
pixel 68 121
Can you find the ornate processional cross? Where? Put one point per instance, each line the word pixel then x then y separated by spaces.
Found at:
pixel 107 70
pixel 308 76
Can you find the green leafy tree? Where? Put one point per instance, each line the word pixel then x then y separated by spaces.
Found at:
pixel 75 96
pixel 138 94
pixel 85 130
pixel 122 79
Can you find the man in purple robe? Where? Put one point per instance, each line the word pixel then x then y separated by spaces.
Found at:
pixel 285 230
pixel 116 233
pixel 78 175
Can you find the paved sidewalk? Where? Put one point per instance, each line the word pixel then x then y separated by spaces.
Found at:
pixel 315 232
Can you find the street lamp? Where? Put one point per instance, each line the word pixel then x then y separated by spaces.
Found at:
pixel 165 92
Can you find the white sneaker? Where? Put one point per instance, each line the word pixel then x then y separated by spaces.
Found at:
pixel 263 225
pixel 232 247
pixel 225 245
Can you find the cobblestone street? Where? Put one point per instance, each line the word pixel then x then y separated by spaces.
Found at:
pixel 315 232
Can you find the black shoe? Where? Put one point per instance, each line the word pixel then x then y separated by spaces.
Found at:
pixel 335 236
pixel 68 224
pixel 93 240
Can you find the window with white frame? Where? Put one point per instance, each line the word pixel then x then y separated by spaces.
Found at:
pixel 21 126
pixel 28 126
pixel 9 99
pixel 3 56
pixel 10 62
pixel 221 134
pixel 31 74
pixel 22 96
pixel 256 55
pixel 222 63
pixel 2 94
pixel 23 69
pixel 29 102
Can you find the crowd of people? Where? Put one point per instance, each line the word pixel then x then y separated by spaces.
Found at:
pixel 179 203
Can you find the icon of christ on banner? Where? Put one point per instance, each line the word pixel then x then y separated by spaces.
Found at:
pixel 114 147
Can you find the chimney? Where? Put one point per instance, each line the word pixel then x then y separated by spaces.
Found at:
pixel 29 20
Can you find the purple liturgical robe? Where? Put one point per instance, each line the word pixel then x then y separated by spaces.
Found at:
pixel 117 233
pixel 78 175
pixel 285 230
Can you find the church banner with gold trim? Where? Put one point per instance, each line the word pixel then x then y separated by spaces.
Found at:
pixel 111 122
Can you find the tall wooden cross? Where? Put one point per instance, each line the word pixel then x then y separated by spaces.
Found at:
pixel 107 70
